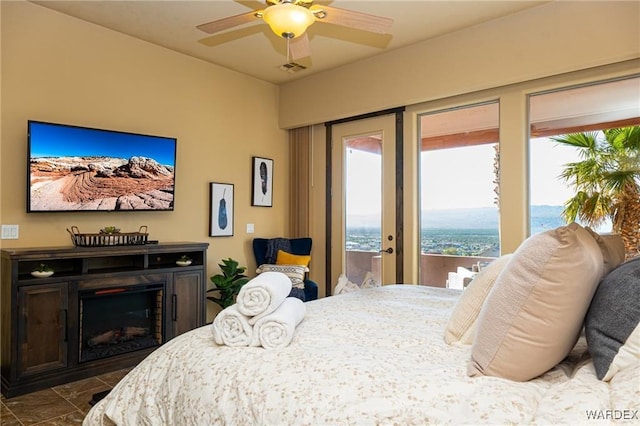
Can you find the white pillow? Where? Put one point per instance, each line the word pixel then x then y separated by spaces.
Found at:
pixel 344 285
pixel 369 281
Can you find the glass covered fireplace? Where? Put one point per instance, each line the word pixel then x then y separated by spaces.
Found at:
pixel 114 321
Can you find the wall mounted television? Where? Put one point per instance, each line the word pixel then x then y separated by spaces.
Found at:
pixel 73 168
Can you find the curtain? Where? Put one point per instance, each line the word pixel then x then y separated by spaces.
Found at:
pixel 300 141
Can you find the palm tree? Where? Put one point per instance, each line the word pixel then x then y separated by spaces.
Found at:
pixel 606 181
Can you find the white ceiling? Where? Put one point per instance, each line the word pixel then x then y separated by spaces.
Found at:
pixel 254 50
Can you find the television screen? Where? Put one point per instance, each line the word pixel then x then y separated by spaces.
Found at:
pixel 75 168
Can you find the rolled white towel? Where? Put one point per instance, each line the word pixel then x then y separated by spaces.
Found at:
pixel 231 328
pixel 263 294
pixel 276 329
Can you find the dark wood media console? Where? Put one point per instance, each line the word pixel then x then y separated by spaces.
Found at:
pixel 103 309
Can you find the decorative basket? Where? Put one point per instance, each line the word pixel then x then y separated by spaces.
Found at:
pixel 112 239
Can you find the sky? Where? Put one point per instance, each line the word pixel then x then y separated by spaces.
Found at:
pixel 52 140
pixel 457 178
pixel 549 158
pixel 469 171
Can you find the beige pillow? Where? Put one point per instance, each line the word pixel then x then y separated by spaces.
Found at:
pixel 462 323
pixel 534 313
pixel 612 247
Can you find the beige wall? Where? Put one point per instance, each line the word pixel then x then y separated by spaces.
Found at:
pixel 60 69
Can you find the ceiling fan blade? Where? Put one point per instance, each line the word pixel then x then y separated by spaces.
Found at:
pixel 299 47
pixel 353 19
pixel 228 22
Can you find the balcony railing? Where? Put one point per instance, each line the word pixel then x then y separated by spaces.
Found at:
pixel 434 268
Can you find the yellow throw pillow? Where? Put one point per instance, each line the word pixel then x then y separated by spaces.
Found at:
pixel 284 258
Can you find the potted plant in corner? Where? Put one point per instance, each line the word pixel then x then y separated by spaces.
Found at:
pixel 227 284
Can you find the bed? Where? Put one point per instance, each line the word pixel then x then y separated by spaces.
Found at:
pixel 374 356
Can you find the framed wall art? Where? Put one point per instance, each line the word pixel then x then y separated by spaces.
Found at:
pixel 262 178
pixel 221 209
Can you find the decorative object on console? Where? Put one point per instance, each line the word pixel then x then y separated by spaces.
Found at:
pixel 220 209
pixel 228 284
pixel 262 178
pixel 42 271
pixel 109 230
pixel 72 168
pixel 184 260
pixel 108 236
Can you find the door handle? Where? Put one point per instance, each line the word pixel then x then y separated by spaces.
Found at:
pixel 389 250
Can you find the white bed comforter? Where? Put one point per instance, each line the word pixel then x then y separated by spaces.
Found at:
pixel 376 356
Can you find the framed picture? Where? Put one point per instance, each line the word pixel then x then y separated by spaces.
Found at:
pixel 221 209
pixel 262 178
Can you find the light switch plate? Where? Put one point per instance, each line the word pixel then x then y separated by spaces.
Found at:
pixel 9 232
pixel 250 228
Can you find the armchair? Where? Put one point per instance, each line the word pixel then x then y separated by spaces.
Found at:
pixel 299 246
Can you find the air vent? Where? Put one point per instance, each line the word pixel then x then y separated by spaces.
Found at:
pixel 292 67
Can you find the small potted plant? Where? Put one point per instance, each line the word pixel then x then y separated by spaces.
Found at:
pixel 109 230
pixel 183 260
pixel 110 239
pixel 227 284
pixel 42 271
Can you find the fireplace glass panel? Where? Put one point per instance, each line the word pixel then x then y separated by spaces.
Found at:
pixel 119 320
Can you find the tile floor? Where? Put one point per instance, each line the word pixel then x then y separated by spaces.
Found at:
pixel 60 406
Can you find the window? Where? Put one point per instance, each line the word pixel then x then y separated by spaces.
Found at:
pixel 458 190
pixel 592 108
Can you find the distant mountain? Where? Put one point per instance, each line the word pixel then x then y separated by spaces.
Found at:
pixel 542 218
pixel 546 217
pixel 474 218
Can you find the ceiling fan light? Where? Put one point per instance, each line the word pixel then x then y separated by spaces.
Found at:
pixel 288 20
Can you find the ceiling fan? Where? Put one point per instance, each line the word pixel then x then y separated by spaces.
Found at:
pixel 290 19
